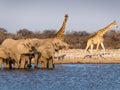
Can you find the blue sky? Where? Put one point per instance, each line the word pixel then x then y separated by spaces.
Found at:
pixel 39 15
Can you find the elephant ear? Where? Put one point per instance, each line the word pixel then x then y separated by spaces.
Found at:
pixel 46 52
pixel 24 48
pixel 60 44
pixel 63 45
pixel 55 44
pixel 25 45
pixel 30 47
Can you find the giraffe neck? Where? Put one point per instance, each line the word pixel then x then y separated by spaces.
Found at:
pixel 60 33
pixel 104 30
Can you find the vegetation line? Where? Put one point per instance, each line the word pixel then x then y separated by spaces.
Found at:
pixel 76 39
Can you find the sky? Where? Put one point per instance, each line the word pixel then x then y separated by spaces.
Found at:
pixel 40 15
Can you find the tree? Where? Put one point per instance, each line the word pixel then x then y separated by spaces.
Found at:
pixel 3 30
pixel 24 32
pixel 48 33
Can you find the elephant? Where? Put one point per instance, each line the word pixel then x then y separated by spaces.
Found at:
pixel 18 47
pixel 47 49
pixel 43 49
pixel 4 57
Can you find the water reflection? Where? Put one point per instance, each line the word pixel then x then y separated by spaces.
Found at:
pixel 63 77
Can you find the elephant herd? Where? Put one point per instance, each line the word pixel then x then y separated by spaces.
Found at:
pixel 24 52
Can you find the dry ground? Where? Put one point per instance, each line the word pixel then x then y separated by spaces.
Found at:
pixel 112 56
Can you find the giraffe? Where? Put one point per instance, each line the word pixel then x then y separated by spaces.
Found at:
pixel 98 39
pixel 60 33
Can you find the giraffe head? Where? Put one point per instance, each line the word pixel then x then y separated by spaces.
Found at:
pixel 66 15
pixel 115 24
pixel 60 33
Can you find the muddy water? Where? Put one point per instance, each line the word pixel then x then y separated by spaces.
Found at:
pixel 63 77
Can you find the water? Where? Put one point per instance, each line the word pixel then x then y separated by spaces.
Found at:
pixel 63 77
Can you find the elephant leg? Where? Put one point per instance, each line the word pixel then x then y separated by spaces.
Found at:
pixel 45 65
pixel 44 62
pixel 38 65
pixel 37 57
pixel 17 62
pixel 16 65
pixel 51 65
pixel 10 64
pixel 28 63
pixel 1 62
pixel 6 65
pixel 38 62
pixel 24 62
pixel 22 65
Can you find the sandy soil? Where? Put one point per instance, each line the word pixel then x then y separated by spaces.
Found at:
pixel 112 56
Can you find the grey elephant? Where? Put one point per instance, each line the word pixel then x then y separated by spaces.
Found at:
pixel 47 49
pixel 18 47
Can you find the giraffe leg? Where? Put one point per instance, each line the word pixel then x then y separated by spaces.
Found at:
pixel 91 49
pixel 102 45
pixel 97 48
pixel 86 48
